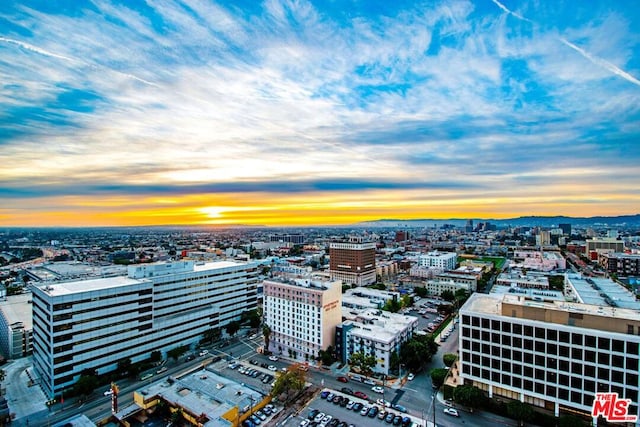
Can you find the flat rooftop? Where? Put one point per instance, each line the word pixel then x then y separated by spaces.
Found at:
pixel 205 392
pixel 604 292
pixel 18 308
pixel 68 288
pixel 492 304
pixel 376 324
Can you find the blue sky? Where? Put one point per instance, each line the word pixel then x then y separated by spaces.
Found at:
pixel 328 112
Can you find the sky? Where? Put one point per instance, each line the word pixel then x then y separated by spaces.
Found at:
pixel 316 113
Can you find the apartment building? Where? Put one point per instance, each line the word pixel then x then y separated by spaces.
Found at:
pixel 443 260
pixel 599 245
pixel 93 324
pixel 519 280
pixel 620 264
pixel 375 332
pixel 555 355
pixel 353 262
pixel 302 314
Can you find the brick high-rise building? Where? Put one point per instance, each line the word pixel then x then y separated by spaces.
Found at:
pixel 353 262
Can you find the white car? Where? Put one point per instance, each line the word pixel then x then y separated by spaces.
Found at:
pixel 410 377
pixel 377 389
pixel 273 358
pixel 451 411
pixel 272 368
pixel 108 392
pixel 384 403
pixel 204 352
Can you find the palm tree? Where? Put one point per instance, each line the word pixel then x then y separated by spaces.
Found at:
pixel 266 332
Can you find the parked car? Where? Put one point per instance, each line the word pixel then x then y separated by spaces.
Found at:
pixel 389 418
pixel 350 404
pixel 451 411
pixel 346 390
pixel 324 394
pixel 373 411
pixel 364 411
pixel 272 368
pixel 361 395
pixel 399 408
pixel 397 420
pixel 410 377
pixel 357 406
pixel 343 379
pixel 273 358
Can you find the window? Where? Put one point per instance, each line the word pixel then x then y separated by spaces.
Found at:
pixel 506 327
pixel 604 343
pixel 528 331
pixel 564 337
pixel 540 333
pixel 576 339
pixel 590 356
pixel 590 341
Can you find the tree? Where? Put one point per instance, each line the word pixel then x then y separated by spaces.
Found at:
pixel 421 292
pixel 290 382
pixel 364 362
pixel 85 385
pixel 392 305
pixel 468 395
pixel 155 356
pixel 394 361
pixel 449 358
pixel 232 327
pixel 447 295
pixel 266 333
pixel 438 376
pixel 417 352
pixel 327 356
pixel 572 421
pixel 519 411
pixel 175 353
pixel 211 335
pixel 252 317
pixel 124 366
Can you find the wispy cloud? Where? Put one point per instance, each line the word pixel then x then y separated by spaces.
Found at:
pixel 391 102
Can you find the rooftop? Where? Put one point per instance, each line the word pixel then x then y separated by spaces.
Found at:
pixel 78 286
pixel 18 308
pixel 378 325
pixel 604 292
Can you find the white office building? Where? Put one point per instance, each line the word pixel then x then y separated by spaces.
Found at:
pixel 551 354
pixel 302 314
pixel 93 324
pixel 443 260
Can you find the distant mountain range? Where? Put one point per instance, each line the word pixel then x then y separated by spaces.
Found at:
pixel 530 221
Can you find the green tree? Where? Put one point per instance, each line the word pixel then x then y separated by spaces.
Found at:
pixel 232 327
pixel 394 361
pixel 155 356
pixel 421 292
pixel 266 333
pixel 438 376
pixel 290 382
pixel 417 352
pixel 572 421
pixel 449 358
pixel 469 395
pixel 392 305
pixel 447 295
pixel 364 362
pixel 124 367
pixel 327 356
pixel 519 411
pixel 85 385
pixel 175 353
pixel 211 335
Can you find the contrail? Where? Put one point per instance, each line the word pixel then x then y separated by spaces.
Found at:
pixel 593 59
pixel 44 52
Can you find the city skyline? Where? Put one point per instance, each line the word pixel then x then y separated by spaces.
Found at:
pixel 300 113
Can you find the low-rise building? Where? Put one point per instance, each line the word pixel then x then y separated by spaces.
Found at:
pixel 620 264
pixel 520 280
pixel 444 260
pixel 374 332
pixel 16 326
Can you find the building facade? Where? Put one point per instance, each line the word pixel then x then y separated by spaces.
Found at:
pixel 443 260
pixel 93 324
pixel 620 264
pixel 599 245
pixel 353 262
pixel 554 355
pixel 16 327
pixel 302 314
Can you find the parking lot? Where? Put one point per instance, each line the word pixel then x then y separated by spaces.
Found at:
pixel 345 410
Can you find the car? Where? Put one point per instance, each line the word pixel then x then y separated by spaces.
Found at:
pixel 344 402
pixel 383 403
pixel 406 421
pixel 255 420
pixel 304 423
pixel 389 418
pixel 108 392
pixel 347 390
pixel 357 406
pixel 369 381
pixel 336 399
pixel 326 419
pixel 397 420
pixel 273 358
pixel 361 395
pixel 333 423
pixel 330 397
pixel 410 377
pixel 382 414
pixel 448 403
pixel 324 394
pixel 451 411
pixel 364 411
pixel 272 368
pixel 319 417
pixel 373 411
pixel 190 357
pixel 399 408
pixel 350 404
pixel 161 370
pixel 342 424
pixel 204 352
pixel 343 379
pixel 377 389
pixel 233 365
pixel 261 415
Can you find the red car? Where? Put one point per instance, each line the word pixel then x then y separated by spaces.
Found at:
pixel 343 379
pixel 361 395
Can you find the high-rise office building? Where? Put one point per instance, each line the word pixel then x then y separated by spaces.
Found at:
pixel 353 262
pixel 554 355
pixel 93 324
pixel 566 229
pixel 302 314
